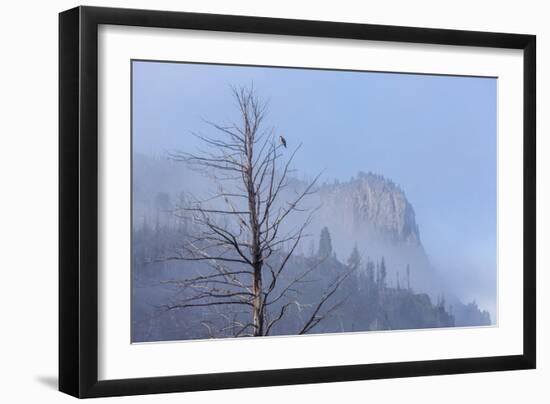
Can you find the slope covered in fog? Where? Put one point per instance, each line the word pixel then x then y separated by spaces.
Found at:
pixel 369 212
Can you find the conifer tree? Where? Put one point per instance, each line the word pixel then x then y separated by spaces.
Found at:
pixel 383 273
pixel 354 260
pixel 325 243
pixel 370 272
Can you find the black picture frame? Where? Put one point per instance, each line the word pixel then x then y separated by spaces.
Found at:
pixel 78 201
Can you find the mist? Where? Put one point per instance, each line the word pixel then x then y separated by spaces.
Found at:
pixel 407 164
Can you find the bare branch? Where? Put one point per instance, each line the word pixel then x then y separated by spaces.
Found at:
pixel 315 317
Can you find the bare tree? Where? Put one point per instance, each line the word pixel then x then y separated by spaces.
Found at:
pixel 242 230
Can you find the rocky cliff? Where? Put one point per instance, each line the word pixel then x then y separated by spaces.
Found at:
pixel 372 207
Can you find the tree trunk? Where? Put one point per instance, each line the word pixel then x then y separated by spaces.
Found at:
pixel 257 262
pixel 258 315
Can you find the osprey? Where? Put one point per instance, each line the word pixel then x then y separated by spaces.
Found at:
pixel 283 141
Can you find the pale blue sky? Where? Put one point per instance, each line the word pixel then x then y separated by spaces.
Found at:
pixel 435 136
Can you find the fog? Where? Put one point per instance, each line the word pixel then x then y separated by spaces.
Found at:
pixel 408 167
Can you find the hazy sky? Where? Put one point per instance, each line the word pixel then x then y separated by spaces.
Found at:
pixel 435 136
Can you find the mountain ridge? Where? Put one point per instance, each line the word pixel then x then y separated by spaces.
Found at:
pixel 369 212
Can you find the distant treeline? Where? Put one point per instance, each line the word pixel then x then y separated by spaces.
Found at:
pixel 366 301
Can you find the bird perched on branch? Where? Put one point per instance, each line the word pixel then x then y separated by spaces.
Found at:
pixel 283 141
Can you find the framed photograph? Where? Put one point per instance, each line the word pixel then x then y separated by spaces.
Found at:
pixel 251 201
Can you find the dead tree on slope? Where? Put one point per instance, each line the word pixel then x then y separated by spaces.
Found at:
pixel 244 238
